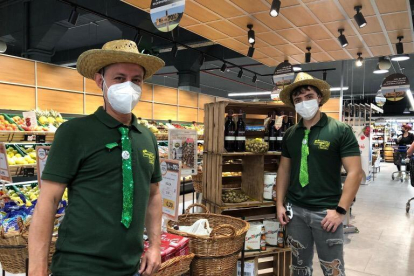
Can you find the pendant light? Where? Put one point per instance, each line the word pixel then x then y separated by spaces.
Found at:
pixel 250 34
pixel 275 8
pixel 359 61
pixel 400 56
pixel 251 51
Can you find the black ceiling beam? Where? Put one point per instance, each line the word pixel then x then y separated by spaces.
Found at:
pixel 307 71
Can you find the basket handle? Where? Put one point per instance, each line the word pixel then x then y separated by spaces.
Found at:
pixel 216 231
pixel 187 211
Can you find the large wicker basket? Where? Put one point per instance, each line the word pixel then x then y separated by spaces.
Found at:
pixel 198 182
pixel 216 254
pixel 176 266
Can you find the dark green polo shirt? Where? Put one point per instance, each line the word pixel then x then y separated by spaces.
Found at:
pixel 329 142
pixel 92 240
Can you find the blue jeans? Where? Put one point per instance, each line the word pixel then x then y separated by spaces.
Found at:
pixel 136 274
pixel 303 231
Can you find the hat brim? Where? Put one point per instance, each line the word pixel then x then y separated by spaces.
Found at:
pixel 323 86
pixel 91 61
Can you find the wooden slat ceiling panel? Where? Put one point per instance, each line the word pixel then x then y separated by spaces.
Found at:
pixel 301 23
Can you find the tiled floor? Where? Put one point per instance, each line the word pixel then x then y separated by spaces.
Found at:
pixel 384 245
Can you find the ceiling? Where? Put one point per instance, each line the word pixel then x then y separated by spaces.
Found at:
pixel 301 23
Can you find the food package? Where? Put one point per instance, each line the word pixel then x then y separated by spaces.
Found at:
pixel 252 242
pixel 272 230
pixel 250 268
pixel 234 196
pixel 171 246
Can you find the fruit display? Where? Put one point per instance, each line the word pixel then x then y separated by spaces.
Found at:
pixel 5 125
pixel 257 145
pixel 30 193
pixel 26 125
pixel 234 196
pixel 49 117
pixel 15 157
pixel 161 129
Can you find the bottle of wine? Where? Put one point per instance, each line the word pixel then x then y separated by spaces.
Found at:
pixel 284 123
pixel 266 125
pixel 290 120
pixel 279 134
pixel 240 145
pixel 229 132
pixel 272 133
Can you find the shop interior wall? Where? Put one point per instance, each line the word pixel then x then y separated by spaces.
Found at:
pixel 27 84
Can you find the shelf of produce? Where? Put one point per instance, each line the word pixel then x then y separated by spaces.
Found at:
pixel 19 136
pixel 246 204
pixel 18 170
pixel 276 153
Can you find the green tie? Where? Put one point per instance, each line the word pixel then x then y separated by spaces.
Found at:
pixel 128 181
pixel 304 176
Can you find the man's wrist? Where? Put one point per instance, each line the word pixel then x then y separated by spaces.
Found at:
pixel 340 210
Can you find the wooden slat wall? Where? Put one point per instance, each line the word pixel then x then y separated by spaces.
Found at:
pixel 17 70
pixel 165 112
pixel 187 114
pixel 165 95
pixel 188 99
pixel 17 97
pixel 63 102
pixel 52 76
pixel 147 94
pixel 92 103
pixel 331 108
pixel 143 110
pixel 91 87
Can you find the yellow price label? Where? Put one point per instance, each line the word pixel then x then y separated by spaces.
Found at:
pixel 168 204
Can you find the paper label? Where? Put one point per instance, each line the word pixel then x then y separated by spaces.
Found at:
pixel 170 187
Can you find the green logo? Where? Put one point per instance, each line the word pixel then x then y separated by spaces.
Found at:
pixel 323 145
pixel 149 155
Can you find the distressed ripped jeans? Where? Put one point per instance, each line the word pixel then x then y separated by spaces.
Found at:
pixel 303 231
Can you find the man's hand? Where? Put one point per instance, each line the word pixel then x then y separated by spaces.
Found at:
pixel 281 215
pixel 332 220
pixel 150 262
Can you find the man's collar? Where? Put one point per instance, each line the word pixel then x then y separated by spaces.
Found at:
pixel 321 123
pixel 111 122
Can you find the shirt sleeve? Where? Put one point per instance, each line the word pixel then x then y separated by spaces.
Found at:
pixel 156 175
pixel 64 157
pixel 349 144
pixel 285 151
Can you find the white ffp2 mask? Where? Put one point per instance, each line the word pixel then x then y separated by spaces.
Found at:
pixel 307 109
pixel 123 97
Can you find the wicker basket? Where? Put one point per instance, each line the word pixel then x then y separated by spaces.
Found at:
pixel 198 182
pixel 217 266
pixel 176 266
pixel 226 238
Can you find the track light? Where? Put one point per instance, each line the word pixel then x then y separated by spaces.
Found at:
pixel 400 51
pixel 359 17
pixel 254 79
pixel 223 67
pixel 174 50
pixel 138 37
pixel 250 34
pixel 324 75
pixel 240 74
pixel 73 17
pixel 201 59
pixel 342 38
pixel 308 55
pixel 251 51
pixel 275 8
pixel 296 68
pixel 359 60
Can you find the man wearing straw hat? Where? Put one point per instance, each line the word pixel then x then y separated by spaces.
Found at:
pixel 110 165
pixel 309 177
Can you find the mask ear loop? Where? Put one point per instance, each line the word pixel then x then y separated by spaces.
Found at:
pixel 103 92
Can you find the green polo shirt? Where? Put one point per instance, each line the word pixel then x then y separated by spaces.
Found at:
pixel 92 240
pixel 329 142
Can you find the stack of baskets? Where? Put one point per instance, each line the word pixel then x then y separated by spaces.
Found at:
pixel 217 254
pixel 198 182
pixel 176 266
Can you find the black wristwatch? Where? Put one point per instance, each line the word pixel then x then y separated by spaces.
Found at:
pixel 340 210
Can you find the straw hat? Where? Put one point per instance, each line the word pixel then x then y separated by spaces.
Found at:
pixel 305 79
pixel 117 51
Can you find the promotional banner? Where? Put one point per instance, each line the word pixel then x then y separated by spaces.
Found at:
pixel 166 14
pixel 182 146
pixel 395 86
pixel 283 76
pixel 170 187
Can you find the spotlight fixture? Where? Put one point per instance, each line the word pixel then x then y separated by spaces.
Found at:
pixel 138 37
pixel 73 17
pixel 380 71
pixel 223 67
pixel 250 34
pixel 359 60
pixel 400 56
pixel 308 55
pixel 201 59
pixel 275 8
pixel 254 79
pixel 324 75
pixel 342 38
pixel 296 68
pixel 240 74
pixel 359 17
pixel 174 50
pixel 251 51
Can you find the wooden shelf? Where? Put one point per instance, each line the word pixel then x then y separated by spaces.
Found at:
pixel 23 166
pixel 18 136
pixel 276 153
pixel 247 204
pixel 269 251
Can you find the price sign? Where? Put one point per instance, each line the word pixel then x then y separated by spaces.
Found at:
pixel 4 165
pixel 170 187
pixel 42 153
pixel 182 146
pixel 40 138
pixel 28 172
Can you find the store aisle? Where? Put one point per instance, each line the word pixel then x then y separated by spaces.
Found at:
pixel 385 244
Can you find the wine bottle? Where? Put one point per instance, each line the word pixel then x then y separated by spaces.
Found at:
pixel 279 137
pixel 290 120
pixel 240 145
pixel 284 123
pixel 272 133
pixel 229 132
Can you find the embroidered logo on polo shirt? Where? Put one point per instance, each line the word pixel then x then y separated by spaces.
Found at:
pixel 322 145
pixel 149 155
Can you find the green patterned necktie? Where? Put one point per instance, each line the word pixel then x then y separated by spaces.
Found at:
pixel 128 181
pixel 304 176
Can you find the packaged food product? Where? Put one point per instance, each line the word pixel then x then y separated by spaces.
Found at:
pixel 253 237
pixel 269 182
pixel 272 230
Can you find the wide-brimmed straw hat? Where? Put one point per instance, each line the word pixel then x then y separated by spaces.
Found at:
pixel 117 51
pixel 305 79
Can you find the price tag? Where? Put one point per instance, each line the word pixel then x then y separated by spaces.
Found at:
pixel 42 153
pixel 40 138
pixel 168 204
pixel 29 138
pixel 28 172
pixel 4 165
pixel 170 187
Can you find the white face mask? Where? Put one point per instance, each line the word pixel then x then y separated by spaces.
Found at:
pixel 123 97
pixel 307 109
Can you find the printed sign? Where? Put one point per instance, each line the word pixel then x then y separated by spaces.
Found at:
pixel 170 187
pixel 182 146
pixel 394 87
pixel 42 153
pixel 282 77
pixel 30 119
pixel 363 135
pixel 4 165
pixel 166 14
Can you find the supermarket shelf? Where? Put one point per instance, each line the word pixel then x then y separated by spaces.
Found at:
pixel 23 166
pixel 277 153
pixel 246 204
pixel 269 251
pixel 18 136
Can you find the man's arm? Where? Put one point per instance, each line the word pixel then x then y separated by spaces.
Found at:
pixel 410 150
pixel 282 184
pixel 151 261
pixel 41 227
pixel 352 165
